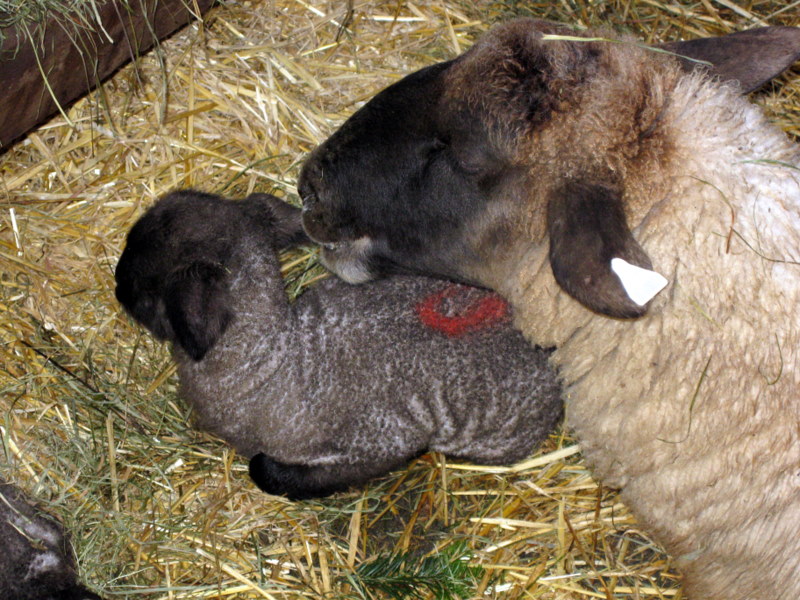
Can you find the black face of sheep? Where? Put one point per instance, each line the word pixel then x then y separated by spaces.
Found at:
pixel 429 175
pixel 384 188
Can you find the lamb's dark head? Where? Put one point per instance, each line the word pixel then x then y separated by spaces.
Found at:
pixel 468 162
pixel 173 275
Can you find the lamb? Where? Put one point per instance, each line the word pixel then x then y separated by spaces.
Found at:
pixel 346 383
pixel 36 562
pixel 539 158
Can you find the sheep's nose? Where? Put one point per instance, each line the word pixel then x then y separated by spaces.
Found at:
pixel 315 226
pixel 308 194
pixel 310 202
pixel 309 183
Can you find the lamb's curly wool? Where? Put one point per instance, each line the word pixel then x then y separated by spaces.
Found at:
pixel 35 557
pixel 347 382
pixel 560 155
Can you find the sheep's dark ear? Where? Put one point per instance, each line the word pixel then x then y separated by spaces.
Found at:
pixel 751 57
pixel 197 303
pixel 588 231
pixel 288 224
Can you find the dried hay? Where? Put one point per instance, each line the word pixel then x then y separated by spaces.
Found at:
pixel 28 14
pixel 90 422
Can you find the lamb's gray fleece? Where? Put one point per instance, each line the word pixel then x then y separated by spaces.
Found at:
pixel 344 384
pixel 35 558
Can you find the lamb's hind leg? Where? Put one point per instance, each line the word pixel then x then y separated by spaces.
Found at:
pixel 298 482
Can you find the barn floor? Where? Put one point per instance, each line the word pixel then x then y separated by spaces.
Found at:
pixel 89 419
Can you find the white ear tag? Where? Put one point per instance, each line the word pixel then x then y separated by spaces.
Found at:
pixel 640 284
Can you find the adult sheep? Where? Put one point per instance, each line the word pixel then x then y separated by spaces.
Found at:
pixel 342 385
pixel 533 160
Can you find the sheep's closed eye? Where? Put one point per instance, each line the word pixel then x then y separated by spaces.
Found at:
pixel 461 160
pixel 469 153
pixel 475 162
pixel 470 162
pixel 465 161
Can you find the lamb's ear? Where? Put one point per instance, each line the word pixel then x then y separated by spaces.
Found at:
pixel 751 57
pixel 197 301
pixel 288 224
pixel 593 254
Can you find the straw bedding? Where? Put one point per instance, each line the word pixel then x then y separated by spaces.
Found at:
pixel 75 46
pixel 89 419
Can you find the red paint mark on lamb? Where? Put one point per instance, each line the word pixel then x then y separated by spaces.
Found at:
pixel 479 313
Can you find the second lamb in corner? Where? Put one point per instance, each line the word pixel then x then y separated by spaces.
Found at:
pixel 348 382
pixel 36 562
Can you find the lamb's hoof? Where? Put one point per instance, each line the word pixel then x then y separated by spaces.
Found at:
pixel 268 474
pixel 280 479
pixel 76 593
pixel 296 482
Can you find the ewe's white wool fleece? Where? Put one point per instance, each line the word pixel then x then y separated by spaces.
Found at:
pixel 695 409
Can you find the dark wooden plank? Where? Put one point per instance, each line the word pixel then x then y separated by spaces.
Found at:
pixel 76 61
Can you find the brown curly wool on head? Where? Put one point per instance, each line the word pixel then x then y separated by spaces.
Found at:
pixel 513 82
pixel 581 118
